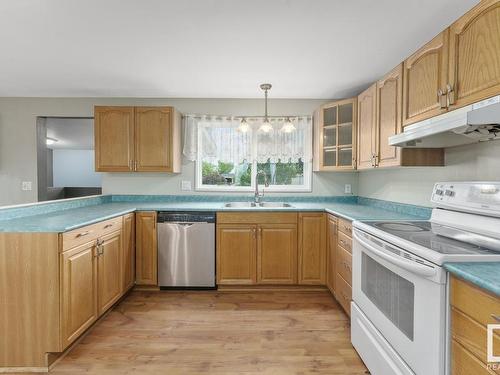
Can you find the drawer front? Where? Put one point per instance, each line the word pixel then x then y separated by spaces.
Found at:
pixel 345 242
pixel 464 363
pixel 345 226
pixel 344 294
pixel 344 264
pixel 471 335
pixel 474 302
pixel 89 233
pixel 257 217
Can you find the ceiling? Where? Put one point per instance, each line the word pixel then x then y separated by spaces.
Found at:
pixel 70 133
pixel 210 48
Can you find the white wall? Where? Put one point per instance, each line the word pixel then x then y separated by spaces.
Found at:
pixel 75 168
pixel 414 185
pixel 18 142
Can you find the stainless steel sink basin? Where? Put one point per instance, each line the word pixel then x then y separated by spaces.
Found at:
pixel 275 204
pixel 239 204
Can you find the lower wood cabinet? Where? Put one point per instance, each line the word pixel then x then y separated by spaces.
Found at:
pixel 128 256
pixel 78 291
pixel 257 248
pixel 331 230
pixel 277 254
pixel 312 248
pixel 109 271
pixel 146 257
pixel 236 254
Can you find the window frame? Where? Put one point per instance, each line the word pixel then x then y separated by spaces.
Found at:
pixel 305 188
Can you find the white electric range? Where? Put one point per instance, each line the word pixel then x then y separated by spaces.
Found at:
pixel 398 308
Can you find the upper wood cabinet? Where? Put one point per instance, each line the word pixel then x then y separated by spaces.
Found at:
pixel 335 136
pixel 277 254
pixel 474 60
pixel 312 248
pixel 367 102
pixel 114 139
pixel 146 256
pixel 236 254
pixel 140 139
pixel 425 77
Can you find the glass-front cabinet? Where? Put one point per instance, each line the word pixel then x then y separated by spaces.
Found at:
pixel 335 135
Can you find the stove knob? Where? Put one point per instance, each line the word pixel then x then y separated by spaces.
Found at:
pixel 439 192
pixel 449 193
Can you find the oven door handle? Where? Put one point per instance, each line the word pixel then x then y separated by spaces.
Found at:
pixel 408 265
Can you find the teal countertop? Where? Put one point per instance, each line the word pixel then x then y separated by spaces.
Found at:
pixel 485 275
pixel 64 216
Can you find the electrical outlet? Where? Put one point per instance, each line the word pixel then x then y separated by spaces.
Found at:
pixel 26 185
pixel 348 189
pixel 185 185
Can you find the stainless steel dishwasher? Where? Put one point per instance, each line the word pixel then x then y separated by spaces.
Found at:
pixel 186 250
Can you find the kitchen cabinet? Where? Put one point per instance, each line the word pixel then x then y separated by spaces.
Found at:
pixel 114 139
pixel 128 256
pixel 236 254
pixel 256 248
pixel 312 248
pixel 277 254
pixel 146 257
pixel 379 117
pixel 366 128
pixel 78 291
pixel 424 81
pixel 137 139
pixel 472 309
pixel 474 59
pixel 109 271
pixel 334 131
pixel 331 252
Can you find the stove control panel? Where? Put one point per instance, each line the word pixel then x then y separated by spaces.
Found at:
pixel 477 197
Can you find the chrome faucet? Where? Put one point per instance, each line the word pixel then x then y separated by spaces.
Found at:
pixel 259 196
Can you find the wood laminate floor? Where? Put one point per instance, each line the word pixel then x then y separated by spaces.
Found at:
pixel 218 333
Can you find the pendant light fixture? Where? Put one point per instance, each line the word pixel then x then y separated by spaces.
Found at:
pixel 288 126
pixel 266 126
pixel 244 126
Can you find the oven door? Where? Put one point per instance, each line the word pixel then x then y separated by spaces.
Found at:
pixel 403 296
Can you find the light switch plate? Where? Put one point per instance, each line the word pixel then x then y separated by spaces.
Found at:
pixel 348 189
pixel 26 185
pixel 185 185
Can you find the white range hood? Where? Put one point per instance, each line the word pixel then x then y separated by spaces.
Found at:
pixel 474 123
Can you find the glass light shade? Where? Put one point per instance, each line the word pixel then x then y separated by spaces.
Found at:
pixel 244 126
pixel 288 126
pixel 266 126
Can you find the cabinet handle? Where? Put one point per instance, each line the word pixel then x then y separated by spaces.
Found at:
pixel 450 100
pixel 254 232
pixel 496 317
pixel 83 234
pixel 342 242
pixel 108 226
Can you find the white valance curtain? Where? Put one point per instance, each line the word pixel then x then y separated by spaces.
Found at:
pixel 221 140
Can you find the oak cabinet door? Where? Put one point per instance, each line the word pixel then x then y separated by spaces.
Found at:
pixel 367 102
pixel 389 97
pixel 425 73
pixel 331 247
pixel 109 267
pixel 236 254
pixel 146 257
pixel 312 249
pixel 153 139
pixel 78 291
pixel 474 65
pixel 114 139
pixel 277 254
pixel 128 256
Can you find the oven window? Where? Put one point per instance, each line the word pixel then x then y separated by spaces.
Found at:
pixel 393 295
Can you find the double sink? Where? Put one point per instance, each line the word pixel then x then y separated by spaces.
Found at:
pixel 257 205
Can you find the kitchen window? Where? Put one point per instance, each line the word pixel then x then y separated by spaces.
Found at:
pixel 229 159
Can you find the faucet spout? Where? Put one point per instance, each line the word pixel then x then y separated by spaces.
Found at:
pixel 258 196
